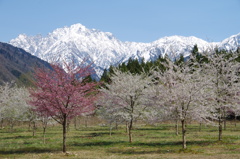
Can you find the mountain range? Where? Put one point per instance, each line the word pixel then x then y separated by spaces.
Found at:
pixel 18 65
pixel 79 43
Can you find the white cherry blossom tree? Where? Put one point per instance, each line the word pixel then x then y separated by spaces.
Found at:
pixel 13 103
pixel 222 71
pixel 180 91
pixel 126 97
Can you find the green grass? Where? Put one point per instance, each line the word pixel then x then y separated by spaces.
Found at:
pixel 95 142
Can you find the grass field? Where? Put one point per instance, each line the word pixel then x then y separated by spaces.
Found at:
pixel 95 142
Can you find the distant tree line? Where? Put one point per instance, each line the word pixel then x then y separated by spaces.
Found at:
pixel 136 66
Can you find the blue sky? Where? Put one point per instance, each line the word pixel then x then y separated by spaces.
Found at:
pixel 128 20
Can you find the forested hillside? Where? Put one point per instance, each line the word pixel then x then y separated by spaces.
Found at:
pixel 17 65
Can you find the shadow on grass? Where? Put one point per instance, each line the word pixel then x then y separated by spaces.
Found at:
pixel 138 148
pixel 175 143
pixel 92 129
pixel 156 144
pixel 27 150
pixel 141 144
pixel 155 128
pixel 18 137
pixel 97 134
pixel 99 143
pixel 139 152
pixel 92 135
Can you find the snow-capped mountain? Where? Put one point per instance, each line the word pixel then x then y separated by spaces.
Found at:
pixel 231 43
pixel 80 43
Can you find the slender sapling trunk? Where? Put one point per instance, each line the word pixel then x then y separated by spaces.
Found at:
pixel 86 121
pixel 75 122
pixel 64 124
pixel 1 123
pixel 184 142
pixel 110 128
pixel 176 127
pixel 44 135
pixel 225 119
pixel 34 128
pixel 235 119
pixel 127 128
pixel 200 126
pixel 130 131
pixel 116 124
pixel 219 129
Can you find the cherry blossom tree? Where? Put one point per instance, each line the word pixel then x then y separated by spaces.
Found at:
pixel 222 70
pixel 31 117
pixel 126 97
pixel 44 117
pixel 180 91
pixel 13 103
pixel 4 92
pixel 104 113
pixel 63 94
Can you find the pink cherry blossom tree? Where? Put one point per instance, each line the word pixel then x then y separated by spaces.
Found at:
pixel 63 94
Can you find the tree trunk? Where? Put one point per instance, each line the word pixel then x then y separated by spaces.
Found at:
pixel 1 123
pixel 110 129
pixel 44 135
pixel 200 126
pixel 127 127
pixel 11 125
pixel 75 122
pixel 45 122
pixel 86 121
pixel 29 125
pixel 235 119
pixel 64 124
pixel 176 127
pixel 130 131
pixel 116 124
pixel 219 129
pixel 225 119
pixel 184 142
pixel 34 128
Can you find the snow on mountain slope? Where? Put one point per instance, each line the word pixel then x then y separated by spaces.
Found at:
pixel 78 42
pixel 172 46
pixel 231 43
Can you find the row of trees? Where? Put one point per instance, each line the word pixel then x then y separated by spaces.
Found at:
pixel 13 104
pixel 15 108
pixel 204 88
